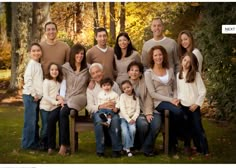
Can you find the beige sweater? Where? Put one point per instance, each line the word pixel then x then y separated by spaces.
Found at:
pixel 58 53
pixel 50 92
pixel 191 93
pixel 129 108
pixel 33 79
pixel 95 55
pixel 158 90
pixel 145 100
pixel 171 47
pixel 76 84
pixel 122 64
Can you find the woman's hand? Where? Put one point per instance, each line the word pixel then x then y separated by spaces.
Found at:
pixel 149 118
pixel 193 107
pixel 91 84
pixel 175 101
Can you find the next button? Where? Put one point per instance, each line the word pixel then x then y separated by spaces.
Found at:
pixel 228 29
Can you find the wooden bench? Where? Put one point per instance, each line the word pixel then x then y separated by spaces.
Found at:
pixel 74 133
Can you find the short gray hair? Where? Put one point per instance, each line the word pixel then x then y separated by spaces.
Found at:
pixel 94 65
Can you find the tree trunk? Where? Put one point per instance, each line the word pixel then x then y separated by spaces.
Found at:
pixel 95 23
pixel 40 17
pixel 104 14
pixel 112 21
pixel 122 17
pixel 21 35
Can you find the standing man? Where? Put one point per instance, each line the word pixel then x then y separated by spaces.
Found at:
pixel 53 50
pixel 103 54
pixel 169 44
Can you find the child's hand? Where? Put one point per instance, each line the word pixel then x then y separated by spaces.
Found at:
pixel 193 107
pixel 36 98
pixel 131 122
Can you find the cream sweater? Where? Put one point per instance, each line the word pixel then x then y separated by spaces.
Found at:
pixel 129 108
pixel 33 79
pixel 104 97
pixel 191 93
pixel 50 92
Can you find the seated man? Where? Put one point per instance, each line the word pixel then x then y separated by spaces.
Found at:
pixel 96 72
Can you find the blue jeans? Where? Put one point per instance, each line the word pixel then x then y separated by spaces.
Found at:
pixel 194 129
pixel 30 134
pixel 43 131
pixel 114 132
pixel 176 119
pixel 147 132
pixel 53 118
pixel 128 133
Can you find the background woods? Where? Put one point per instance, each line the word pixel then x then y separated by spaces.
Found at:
pixel 22 23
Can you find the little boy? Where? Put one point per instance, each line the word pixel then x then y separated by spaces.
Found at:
pixel 105 96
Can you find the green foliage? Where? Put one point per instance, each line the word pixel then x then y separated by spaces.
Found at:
pixel 218 50
pixel 63 36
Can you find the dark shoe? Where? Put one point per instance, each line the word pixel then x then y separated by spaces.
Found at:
pixel 151 154
pixel 116 154
pixel 100 154
pixel 103 117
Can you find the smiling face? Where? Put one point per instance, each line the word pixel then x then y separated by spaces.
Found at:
pixel 134 73
pixel 157 57
pixel 123 42
pixel 54 71
pixel 51 31
pixel 185 41
pixel 186 62
pixel 101 39
pixel 96 74
pixel 127 89
pixel 79 56
pixel 35 52
pixel 157 28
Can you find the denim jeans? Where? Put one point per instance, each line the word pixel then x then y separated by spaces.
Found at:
pixel 30 134
pixel 44 129
pixel 64 130
pixel 147 132
pixel 194 129
pixel 53 118
pixel 175 122
pixel 128 133
pixel 114 132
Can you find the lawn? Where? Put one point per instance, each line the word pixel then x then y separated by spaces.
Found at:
pixel 221 137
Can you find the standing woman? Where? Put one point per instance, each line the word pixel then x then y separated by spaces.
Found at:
pixel 76 76
pixel 161 84
pixel 125 53
pixel 186 44
pixel 148 122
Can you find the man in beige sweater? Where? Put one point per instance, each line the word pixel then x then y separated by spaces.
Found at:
pixel 102 53
pixel 53 50
pixel 169 44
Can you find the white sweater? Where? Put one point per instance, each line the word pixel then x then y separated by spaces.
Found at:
pixel 104 97
pixel 199 56
pixel 50 92
pixel 129 108
pixel 191 93
pixel 33 79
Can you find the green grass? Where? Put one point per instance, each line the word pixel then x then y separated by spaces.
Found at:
pixel 221 137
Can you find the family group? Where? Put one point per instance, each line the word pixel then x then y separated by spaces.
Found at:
pixel 125 93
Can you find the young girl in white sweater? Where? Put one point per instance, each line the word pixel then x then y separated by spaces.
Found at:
pixel 129 112
pixel 191 93
pixel 50 105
